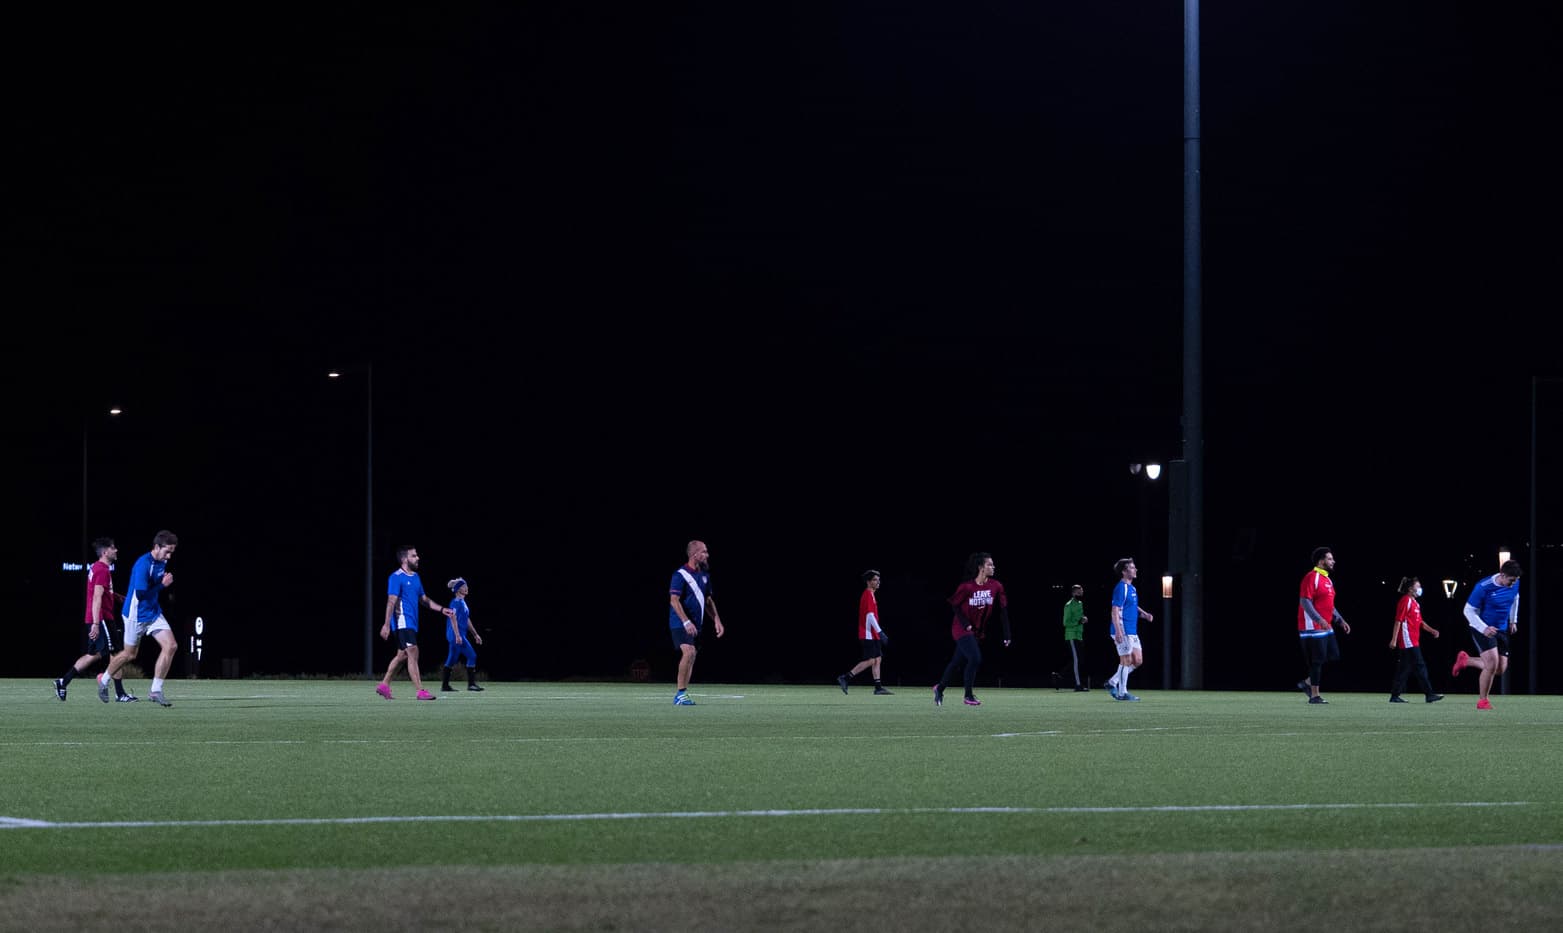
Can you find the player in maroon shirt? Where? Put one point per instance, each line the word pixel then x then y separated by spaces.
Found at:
pixel 102 606
pixel 973 604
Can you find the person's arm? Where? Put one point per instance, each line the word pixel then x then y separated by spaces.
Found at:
pixel 1341 621
pixel 1429 628
pixel 873 623
pixel 97 610
pixel 445 611
pixel 1310 610
pixel 715 619
pixel 1473 618
pixel 1117 623
pixel 1145 615
pixel 472 632
pixel 678 607
pixel 1514 614
pixel 1004 621
pixel 390 607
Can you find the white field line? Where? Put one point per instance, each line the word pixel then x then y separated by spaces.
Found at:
pixel 19 823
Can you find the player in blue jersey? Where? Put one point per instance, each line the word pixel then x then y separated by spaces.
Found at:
pixel 148 579
pixel 1125 629
pixel 690 600
pixel 1493 613
pixel 460 636
pixel 404 595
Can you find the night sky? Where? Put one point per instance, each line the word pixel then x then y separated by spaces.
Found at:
pixel 872 285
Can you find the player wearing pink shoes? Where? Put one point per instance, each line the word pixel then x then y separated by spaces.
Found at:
pixel 404 595
pixel 1493 612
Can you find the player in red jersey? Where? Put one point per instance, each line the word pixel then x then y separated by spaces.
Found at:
pixel 102 603
pixel 973 603
pixel 1407 640
pixel 1316 618
pixel 871 637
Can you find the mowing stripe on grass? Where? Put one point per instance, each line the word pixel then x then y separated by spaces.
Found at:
pixel 18 823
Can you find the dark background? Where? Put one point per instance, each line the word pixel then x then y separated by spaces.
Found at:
pixel 876 285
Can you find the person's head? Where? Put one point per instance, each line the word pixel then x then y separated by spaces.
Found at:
pixel 458 587
pixel 1509 573
pixel 1076 591
pixel 697 554
pixel 163 544
pixel 871 579
pixel 407 556
pixel 1323 558
pixel 979 563
pixel 1125 568
pixel 105 550
pixel 1412 585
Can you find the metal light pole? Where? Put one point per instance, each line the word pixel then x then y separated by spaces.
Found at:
pixel 1193 365
pixel 86 540
pixel 368 514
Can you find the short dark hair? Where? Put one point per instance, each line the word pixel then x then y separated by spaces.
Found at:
pixel 1408 583
pixel 975 561
pixel 869 575
pixel 1319 553
pixel 1510 568
pixel 1121 563
pixel 401 552
pixel 100 545
pixel 164 538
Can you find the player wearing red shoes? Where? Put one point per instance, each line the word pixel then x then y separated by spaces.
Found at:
pixel 1493 613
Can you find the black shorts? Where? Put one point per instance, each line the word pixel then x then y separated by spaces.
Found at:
pixel 407 637
pixel 871 648
pixel 681 637
pixel 1484 643
pixel 103 644
pixel 1317 650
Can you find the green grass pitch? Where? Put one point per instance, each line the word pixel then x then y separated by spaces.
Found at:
pixel 311 804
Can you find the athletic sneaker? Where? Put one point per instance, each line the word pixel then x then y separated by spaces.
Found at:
pixel 128 698
pixel 1434 698
pixel 447 688
pixel 383 689
pixel 938 696
pixel 1305 688
pixel 1128 698
pixel 1319 700
pixel 425 695
pixel 474 688
pixel 1483 704
pixel 59 689
pixel 881 692
pixel 1460 661
pixel 972 701
pixel 103 690
pixel 157 698
pixel 842 683
pixel 1082 689
pixel 682 699
pixel 1397 698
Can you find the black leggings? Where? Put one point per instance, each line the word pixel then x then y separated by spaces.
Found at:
pixel 967 653
pixel 1411 660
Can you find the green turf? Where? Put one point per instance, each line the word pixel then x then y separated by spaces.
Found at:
pixel 613 778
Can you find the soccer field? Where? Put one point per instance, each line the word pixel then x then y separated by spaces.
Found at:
pixel 275 804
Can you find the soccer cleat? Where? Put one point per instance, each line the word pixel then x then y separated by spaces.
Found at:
pixel 1397 698
pixel 59 689
pixel 842 683
pixel 938 696
pixel 881 692
pixel 474 688
pixel 1483 704
pixel 1434 697
pixel 972 701
pixel 103 690
pixel 425 695
pixel 1321 701
pixel 157 698
pixel 682 699
pixel 383 689
pixel 1460 661
pixel 1128 698
pixel 447 688
pixel 127 698
pixel 1082 689
pixel 1305 687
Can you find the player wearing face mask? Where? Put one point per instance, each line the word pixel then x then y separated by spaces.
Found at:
pixel 1406 640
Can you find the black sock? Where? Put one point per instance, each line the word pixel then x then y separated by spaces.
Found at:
pixel 70 674
pixel 877 685
pixel 119 687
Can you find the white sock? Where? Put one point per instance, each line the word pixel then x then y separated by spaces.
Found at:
pixel 1113 680
pixel 157 685
pixel 1123 678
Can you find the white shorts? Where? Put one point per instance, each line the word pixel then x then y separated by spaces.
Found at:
pixel 134 630
pixel 1129 645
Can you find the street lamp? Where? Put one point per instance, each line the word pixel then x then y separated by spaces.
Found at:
pixel 1166 631
pixel 368 514
pixel 86 541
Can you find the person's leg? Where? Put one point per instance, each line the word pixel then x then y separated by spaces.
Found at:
pixel 973 661
pixel 957 658
pixel 875 665
pixel 859 668
pixel 412 668
pixel 1074 660
pixel 165 657
pixel 686 666
pixel 1490 670
pixel 1402 671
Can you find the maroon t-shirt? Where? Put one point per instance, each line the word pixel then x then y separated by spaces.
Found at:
pixel 98 575
pixel 973 605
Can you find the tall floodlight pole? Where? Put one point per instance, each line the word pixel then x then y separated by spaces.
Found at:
pixel 1193 364
pixel 369 520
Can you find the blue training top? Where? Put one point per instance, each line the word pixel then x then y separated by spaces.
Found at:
pixel 409 591
pixel 1495 604
pixel 146 582
pixel 1127 598
pixel 460 623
